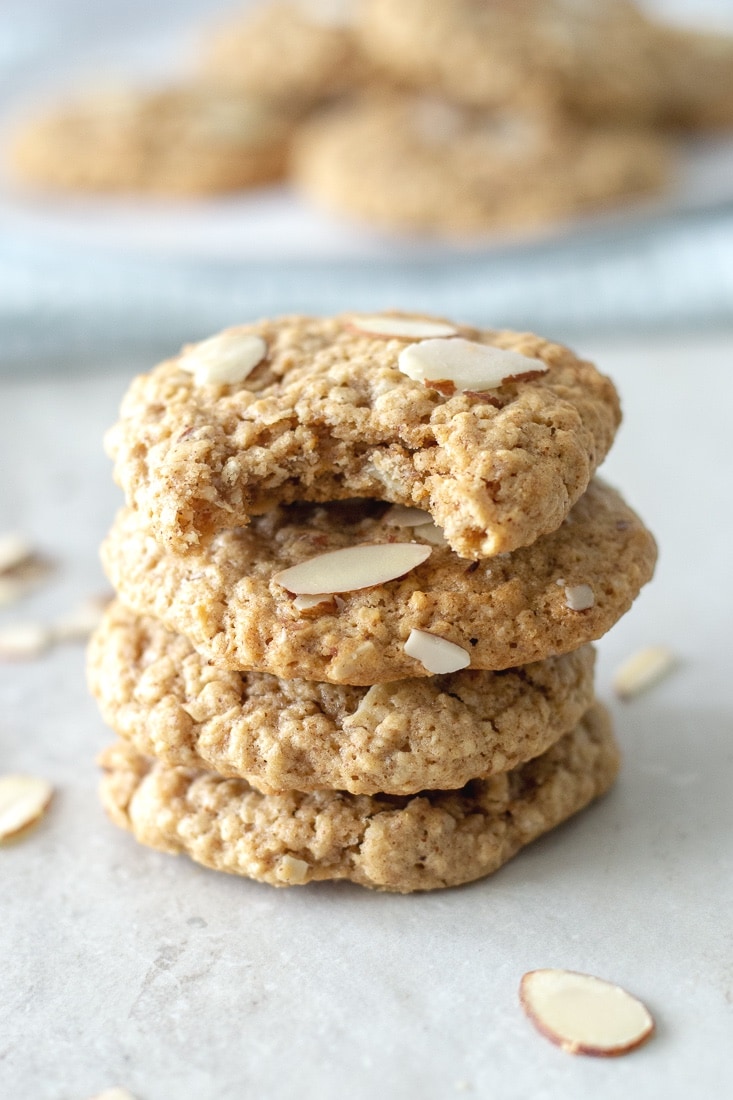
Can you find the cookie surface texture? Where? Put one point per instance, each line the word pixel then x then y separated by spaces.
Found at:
pixel 327 414
pixel 158 694
pixel 189 140
pixel 502 612
pixel 421 164
pixel 423 842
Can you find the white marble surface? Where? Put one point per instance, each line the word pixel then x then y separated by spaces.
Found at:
pixel 123 966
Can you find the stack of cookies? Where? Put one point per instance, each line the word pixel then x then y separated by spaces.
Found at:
pixel 359 571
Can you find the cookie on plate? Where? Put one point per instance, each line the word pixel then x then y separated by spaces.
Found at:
pixel 167 701
pixel 421 164
pixel 696 78
pixel 420 842
pixel 298 52
pixel 188 140
pixel 587 54
pixel 361 616
pixel 495 433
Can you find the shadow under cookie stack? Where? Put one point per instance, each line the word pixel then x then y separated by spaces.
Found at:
pixel 361 566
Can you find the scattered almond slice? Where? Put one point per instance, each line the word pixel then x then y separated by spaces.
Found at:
pixel 642 670
pixel 401 516
pixel 14 551
pixel 584 1015
pixel 114 1094
pixel 81 621
pixel 352 568
pixel 13 589
pixel 23 801
pixel 225 359
pixel 292 870
pixel 24 641
pixel 436 654
pixel 402 328
pixel 579 597
pixel 307 601
pixel 465 364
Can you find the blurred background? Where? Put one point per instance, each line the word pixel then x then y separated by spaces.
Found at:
pixel 91 280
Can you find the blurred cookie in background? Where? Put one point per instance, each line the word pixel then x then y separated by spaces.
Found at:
pixel 589 54
pixel 420 163
pixel 190 139
pixel 696 77
pixel 292 51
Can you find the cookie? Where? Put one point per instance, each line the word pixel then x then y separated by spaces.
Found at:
pixel 156 692
pixel 420 164
pixel 565 590
pixel 421 842
pixel 587 54
pixel 298 53
pixel 189 140
pixel 695 77
pixel 325 412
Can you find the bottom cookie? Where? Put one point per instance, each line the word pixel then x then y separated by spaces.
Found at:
pixel 386 842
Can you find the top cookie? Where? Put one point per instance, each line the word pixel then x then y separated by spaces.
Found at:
pixel 497 447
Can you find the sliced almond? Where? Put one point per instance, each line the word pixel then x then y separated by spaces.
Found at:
pixel 401 516
pixel 465 364
pixel 642 670
pixel 13 589
pixel 114 1094
pixel 24 641
pixel 225 359
pixel 293 871
pixel 582 1014
pixel 23 801
pixel 81 621
pixel 353 567
pixel 436 654
pixel 431 532
pixel 14 551
pixel 306 602
pixel 401 328
pixel 579 597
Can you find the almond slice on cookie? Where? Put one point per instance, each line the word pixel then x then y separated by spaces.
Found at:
pixel 352 568
pixel 464 365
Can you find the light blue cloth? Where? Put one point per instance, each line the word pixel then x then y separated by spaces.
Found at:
pixel 67 307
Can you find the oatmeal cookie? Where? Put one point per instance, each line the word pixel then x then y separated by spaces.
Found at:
pixel 326 413
pixel 421 842
pixel 162 697
pixel 421 164
pixel 188 140
pixel 567 589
